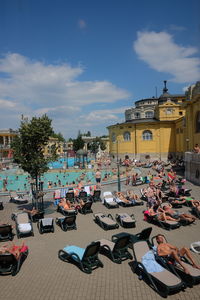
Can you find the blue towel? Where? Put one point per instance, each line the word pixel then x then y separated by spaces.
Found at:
pixel 149 262
pixel 74 249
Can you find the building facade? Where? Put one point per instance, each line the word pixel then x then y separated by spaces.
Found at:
pixel 153 131
pixel 6 138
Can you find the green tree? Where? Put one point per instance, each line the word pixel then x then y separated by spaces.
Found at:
pixel 94 146
pixel 28 147
pixel 78 143
pixel 59 136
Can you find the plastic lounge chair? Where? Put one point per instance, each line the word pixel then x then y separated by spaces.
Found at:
pixel 190 279
pixel 117 249
pixel 17 199
pixel 67 223
pixel 123 203
pixel 23 225
pixel 9 265
pixel 6 232
pixel 160 279
pixel 125 220
pixel 142 236
pixel 66 212
pixel 45 225
pixel 83 195
pixel 87 259
pixel 195 247
pixel 86 208
pixel 96 196
pixel 168 225
pixel 36 217
pixel 109 201
pixel 105 221
pixel 70 196
pixel 195 212
pixel 1 206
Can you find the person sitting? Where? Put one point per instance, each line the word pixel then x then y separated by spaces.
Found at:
pixel 178 215
pixel 196 148
pixel 161 216
pixel 166 249
pixel 196 204
pixel 65 204
pixel 133 197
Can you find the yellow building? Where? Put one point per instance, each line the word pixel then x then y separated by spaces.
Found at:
pixel 192 133
pixel 54 142
pixel 6 137
pixel 155 133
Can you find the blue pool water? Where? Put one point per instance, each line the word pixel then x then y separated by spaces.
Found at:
pixel 60 163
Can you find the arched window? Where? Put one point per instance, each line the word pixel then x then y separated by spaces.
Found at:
pixel 147 135
pixel 137 115
pixel 149 114
pixel 113 137
pixel 198 122
pixel 127 136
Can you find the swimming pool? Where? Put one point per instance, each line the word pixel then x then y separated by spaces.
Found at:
pixel 61 162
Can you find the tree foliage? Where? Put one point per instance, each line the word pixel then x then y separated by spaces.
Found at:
pixel 78 143
pixel 94 146
pixel 28 146
pixel 59 136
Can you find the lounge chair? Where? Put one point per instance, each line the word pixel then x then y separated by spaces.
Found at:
pixel 23 224
pixel 195 247
pixel 83 195
pixel 36 217
pixel 123 203
pixel 87 259
pixel 125 220
pixel 66 223
pixel 45 225
pixel 190 279
pixel 117 249
pixel 17 198
pixel 159 278
pixel 9 265
pixel 195 212
pixel 70 196
pixel 66 212
pixel 105 221
pixel 86 208
pixel 109 200
pixel 6 232
pixel 142 236
pixel 1 206
pixel 168 225
pixel 96 196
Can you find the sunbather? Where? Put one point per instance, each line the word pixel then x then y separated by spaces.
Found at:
pixel 196 204
pixel 122 197
pixel 66 205
pixel 176 214
pixel 13 249
pixel 32 212
pixel 160 215
pixel 165 249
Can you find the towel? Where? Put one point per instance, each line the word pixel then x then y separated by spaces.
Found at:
pixel 74 249
pixel 47 221
pixel 24 227
pixel 57 194
pixel 149 262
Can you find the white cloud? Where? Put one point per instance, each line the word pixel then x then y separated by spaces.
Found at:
pixel 162 54
pixel 32 88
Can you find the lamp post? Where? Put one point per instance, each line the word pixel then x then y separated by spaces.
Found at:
pixel 118 171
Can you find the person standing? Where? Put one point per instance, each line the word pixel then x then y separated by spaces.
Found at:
pixel 98 176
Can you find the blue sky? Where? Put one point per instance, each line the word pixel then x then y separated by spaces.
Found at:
pixel 85 62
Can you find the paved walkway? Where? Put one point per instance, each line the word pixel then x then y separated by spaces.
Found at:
pixel 44 276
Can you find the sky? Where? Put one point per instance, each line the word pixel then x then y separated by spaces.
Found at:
pixel 83 63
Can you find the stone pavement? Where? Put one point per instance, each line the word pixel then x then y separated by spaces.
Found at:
pixel 44 276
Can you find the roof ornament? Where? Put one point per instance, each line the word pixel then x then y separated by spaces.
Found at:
pixel 165 90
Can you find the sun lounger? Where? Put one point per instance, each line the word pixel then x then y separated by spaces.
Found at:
pixel 146 267
pixel 10 265
pixel 190 279
pixel 105 221
pixel 67 223
pixel 123 203
pixel 195 247
pixel 96 196
pixel 17 199
pixel 45 225
pixel 87 259
pixel 70 196
pixel 1 206
pixel 117 249
pixel 6 232
pixel 168 225
pixel 195 212
pixel 109 200
pixel 125 220
pixel 36 217
pixel 23 225
pixel 86 208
